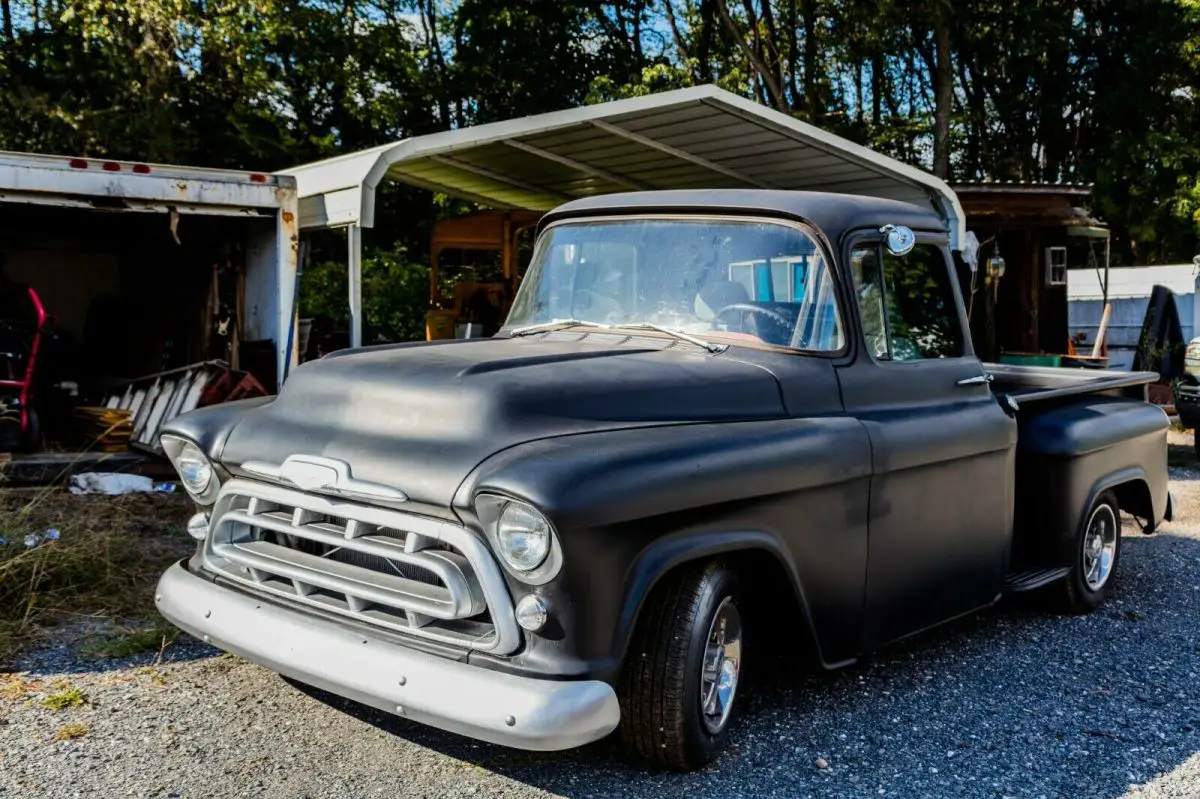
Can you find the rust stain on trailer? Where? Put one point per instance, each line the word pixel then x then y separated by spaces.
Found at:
pixel 288 219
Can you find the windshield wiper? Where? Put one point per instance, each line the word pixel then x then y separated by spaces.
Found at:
pixel 542 327
pixel 679 334
pixel 554 324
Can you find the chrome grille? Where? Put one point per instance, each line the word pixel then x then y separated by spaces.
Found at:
pixel 400 571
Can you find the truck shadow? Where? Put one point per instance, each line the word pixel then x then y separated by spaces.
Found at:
pixel 1183 462
pixel 1012 701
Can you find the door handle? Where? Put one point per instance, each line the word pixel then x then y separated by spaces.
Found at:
pixel 978 380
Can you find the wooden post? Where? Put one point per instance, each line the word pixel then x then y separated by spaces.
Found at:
pixel 1102 333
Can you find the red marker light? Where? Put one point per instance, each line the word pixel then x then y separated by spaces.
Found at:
pixel 111 166
pixel 257 178
pixel 141 169
pixel 77 163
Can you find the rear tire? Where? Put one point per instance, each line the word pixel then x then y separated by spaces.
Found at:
pixel 679 685
pixel 1095 556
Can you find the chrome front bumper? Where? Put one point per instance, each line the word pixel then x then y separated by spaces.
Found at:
pixel 521 712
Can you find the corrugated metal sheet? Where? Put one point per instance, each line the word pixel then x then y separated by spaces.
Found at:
pixel 1129 295
pixel 702 137
pixel 1130 281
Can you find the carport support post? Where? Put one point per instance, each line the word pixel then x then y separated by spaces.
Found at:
pixel 354 240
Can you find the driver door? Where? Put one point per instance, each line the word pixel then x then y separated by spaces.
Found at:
pixel 941 500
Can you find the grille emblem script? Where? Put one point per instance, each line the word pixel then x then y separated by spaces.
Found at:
pixel 325 475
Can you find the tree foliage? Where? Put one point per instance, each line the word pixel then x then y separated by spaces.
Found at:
pixel 1095 91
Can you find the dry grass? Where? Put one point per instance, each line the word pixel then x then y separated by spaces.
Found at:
pixel 15 687
pixel 104 565
pixel 71 732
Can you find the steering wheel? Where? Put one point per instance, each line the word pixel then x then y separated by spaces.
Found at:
pixel 771 313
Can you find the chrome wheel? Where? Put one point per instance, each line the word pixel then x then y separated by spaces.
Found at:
pixel 1100 546
pixel 721 667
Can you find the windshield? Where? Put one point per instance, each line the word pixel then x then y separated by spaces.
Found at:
pixel 750 282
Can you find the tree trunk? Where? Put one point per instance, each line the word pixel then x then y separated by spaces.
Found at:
pixel 877 89
pixel 708 19
pixel 977 125
pixel 793 54
pixel 636 37
pixel 858 91
pixel 6 12
pixel 772 89
pixel 943 81
pixel 771 47
pixel 814 104
pixel 676 34
pixel 436 60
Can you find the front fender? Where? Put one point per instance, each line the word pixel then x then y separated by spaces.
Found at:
pixel 673 551
pixel 210 427
pixel 632 504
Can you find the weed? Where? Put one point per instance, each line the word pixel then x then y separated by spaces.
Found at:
pixel 126 642
pixel 155 676
pixel 71 732
pixel 105 561
pixel 71 697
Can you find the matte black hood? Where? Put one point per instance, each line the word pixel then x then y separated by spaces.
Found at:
pixel 421 417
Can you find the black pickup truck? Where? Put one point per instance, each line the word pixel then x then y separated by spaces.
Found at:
pixel 714 421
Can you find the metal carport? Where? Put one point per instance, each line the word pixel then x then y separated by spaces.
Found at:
pixel 701 137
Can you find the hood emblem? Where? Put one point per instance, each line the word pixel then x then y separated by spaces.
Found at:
pixel 324 475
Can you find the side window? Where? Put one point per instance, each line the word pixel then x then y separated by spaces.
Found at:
pixel 814 294
pixel 907 306
pixel 868 288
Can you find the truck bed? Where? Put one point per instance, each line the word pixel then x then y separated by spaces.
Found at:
pixel 1040 383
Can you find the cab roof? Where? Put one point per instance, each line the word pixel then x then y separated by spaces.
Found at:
pixel 833 214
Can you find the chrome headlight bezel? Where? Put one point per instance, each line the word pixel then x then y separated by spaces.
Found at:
pixel 181 451
pixel 490 509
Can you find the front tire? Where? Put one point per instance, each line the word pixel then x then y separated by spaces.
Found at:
pixel 1097 553
pixel 680 681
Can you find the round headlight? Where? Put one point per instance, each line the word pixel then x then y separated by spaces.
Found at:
pixel 523 535
pixel 194 469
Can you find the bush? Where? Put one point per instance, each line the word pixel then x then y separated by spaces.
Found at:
pixel 395 293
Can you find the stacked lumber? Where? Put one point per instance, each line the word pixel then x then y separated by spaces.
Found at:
pixel 109 428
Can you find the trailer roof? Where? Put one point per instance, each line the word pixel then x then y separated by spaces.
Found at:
pixel 697 138
pixel 109 185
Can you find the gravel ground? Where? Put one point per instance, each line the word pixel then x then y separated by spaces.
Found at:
pixel 1012 702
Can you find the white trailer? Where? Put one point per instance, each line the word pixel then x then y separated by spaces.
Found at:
pixel 82 230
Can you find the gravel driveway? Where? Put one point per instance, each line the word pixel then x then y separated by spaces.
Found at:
pixel 1012 702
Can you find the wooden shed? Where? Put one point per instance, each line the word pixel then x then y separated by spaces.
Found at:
pixel 1029 235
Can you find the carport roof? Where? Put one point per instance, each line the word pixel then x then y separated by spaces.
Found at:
pixel 697 138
